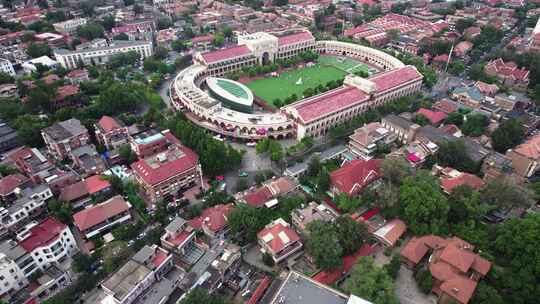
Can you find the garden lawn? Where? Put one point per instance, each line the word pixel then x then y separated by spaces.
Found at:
pixel 283 86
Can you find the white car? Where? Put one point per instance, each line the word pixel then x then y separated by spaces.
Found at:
pixel 251 144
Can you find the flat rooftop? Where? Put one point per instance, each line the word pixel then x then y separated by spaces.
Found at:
pixel 299 289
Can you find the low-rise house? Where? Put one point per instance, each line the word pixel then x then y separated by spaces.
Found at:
pixel 179 237
pixel 63 137
pixel 267 194
pixel 102 217
pixel 512 102
pixel 222 268
pixel 525 158
pixel 138 279
pixel 32 163
pixel 472 32
pixel 404 129
pixel 364 141
pixel 435 117
pixel 390 233
pixel 213 220
pixel 8 137
pixel 486 88
pixel 279 240
pixel 67 96
pixel 80 193
pixel 452 178
pixel 11 185
pixel 29 204
pixel 111 132
pixel 87 160
pixel 461 49
pixel 75 77
pixel 166 166
pixel 354 177
pixel 49 242
pixel 454 266
pixel 304 215
pixel 8 90
pixel 469 96
pixel 446 106
pixel 508 73
pixel 51 282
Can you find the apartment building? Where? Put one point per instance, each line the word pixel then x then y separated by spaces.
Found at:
pixel 111 132
pixel 364 141
pixel 101 54
pixel 102 217
pixel 6 67
pixel 63 137
pixel 70 26
pixel 11 277
pixel 170 168
pixel 31 202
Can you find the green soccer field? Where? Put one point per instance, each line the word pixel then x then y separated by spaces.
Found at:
pixel 343 63
pixel 288 83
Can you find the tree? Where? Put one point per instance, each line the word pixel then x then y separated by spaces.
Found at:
pixel 371 282
pixel 91 31
pixel 424 280
pixel 347 203
pixel 61 210
pixel 323 245
pixel 108 22
pixel 242 184
pixel 503 192
pixel 454 118
pixel 127 154
pixel 138 9
pixel 516 244
pixel 486 294
pixel 121 36
pixel 507 135
pixel 280 2
pixel 246 221
pixel 6 170
pixel 179 45
pixel 36 50
pixel 5 78
pixel 465 204
pixel 227 32
pixel 161 52
pixel 323 181
pixel 164 23
pixel 393 34
pixel 268 260
pixel 463 23
pixel 201 296
pixel 425 208
pixel 314 166
pixel 82 262
pixel 393 267
pixel 352 234
pixel 475 125
pixel 218 40
pixel 395 169
pixel 454 154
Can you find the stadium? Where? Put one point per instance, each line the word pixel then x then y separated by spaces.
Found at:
pixel 349 79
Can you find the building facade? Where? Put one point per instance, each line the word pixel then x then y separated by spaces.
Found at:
pixel 101 55
pixel 63 137
pixel 70 26
pixel 6 67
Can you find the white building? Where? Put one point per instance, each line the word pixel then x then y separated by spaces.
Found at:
pixel 6 67
pixel 11 277
pixel 101 55
pixel 30 65
pixel 69 26
pixel 31 202
pixel 49 242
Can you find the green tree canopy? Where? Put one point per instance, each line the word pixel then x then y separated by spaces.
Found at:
pixel 425 208
pixel 371 282
pixel 509 134
pixel 323 245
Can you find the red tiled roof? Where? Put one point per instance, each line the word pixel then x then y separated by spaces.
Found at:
pixel 329 102
pixel 66 91
pixel 94 215
pixel 96 183
pixel 159 257
pixel 108 123
pixel 77 73
pixel 276 242
pixel 441 58
pixel 10 182
pixel 228 53
pixel 446 106
pixel 395 78
pixel 354 176
pixel 153 175
pixel 434 117
pixel 391 231
pixel 295 38
pixel 260 290
pixel 459 288
pixel 205 38
pixel 507 69
pixel 43 234
pixel 259 197
pixel 475 182
pixel 213 218
pixel 183 235
pixel 530 148
pixel 450 129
